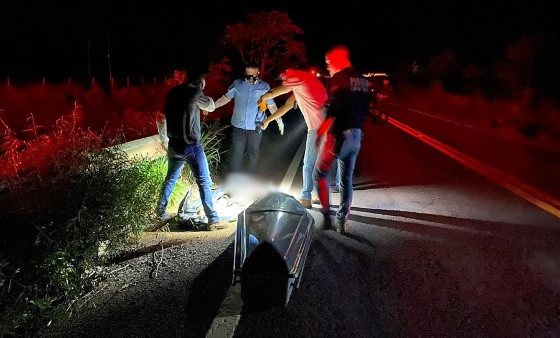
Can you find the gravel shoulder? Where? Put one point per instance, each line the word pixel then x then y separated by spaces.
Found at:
pixel 161 290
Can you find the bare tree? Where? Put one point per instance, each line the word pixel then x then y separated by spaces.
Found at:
pixel 268 38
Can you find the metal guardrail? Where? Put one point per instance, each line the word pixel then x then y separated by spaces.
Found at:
pixel 147 147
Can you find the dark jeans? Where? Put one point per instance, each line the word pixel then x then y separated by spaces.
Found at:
pixel 195 157
pixel 344 148
pixel 245 140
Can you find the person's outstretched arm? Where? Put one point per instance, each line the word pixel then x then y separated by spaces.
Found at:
pixel 275 92
pixel 222 101
pixel 289 104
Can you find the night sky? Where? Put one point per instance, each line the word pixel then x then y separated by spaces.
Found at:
pixel 52 38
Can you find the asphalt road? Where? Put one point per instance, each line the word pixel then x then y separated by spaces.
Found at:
pixel 434 249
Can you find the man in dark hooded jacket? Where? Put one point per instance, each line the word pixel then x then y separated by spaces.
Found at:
pixel 182 110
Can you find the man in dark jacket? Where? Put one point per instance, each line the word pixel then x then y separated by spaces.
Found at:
pixel 182 113
pixel 340 135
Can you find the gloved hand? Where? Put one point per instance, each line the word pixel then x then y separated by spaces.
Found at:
pixel 280 125
pixel 262 105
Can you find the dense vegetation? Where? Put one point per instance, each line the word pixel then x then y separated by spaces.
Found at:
pixel 70 202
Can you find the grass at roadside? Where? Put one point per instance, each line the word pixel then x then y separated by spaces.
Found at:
pixel 74 207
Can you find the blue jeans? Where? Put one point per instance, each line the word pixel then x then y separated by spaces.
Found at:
pixel 344 148
pixel 195 157
pixel 334 175
pixel 309 158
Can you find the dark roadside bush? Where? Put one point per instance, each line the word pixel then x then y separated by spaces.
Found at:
pixel 81 208
pixel 69 205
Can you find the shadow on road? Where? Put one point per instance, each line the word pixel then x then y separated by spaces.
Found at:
pixel 206 294
pixel 325 304
pixel 448 226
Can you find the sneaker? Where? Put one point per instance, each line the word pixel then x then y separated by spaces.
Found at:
pixel 306 203
pixel 340 226
pixel 316 200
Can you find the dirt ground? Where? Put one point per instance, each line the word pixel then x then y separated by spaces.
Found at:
pixel 143 294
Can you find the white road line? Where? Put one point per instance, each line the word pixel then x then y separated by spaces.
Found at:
pixel 530 193
pixel 291 172
pixel 228 315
